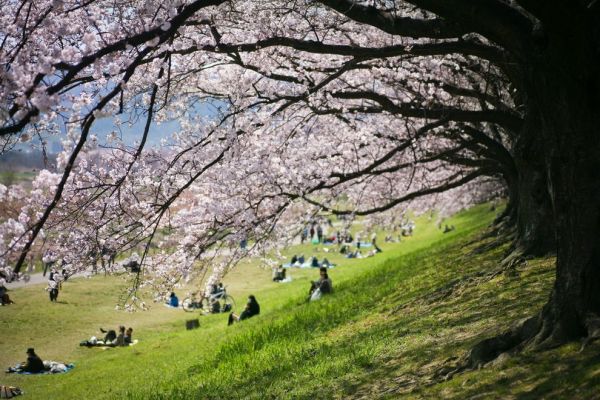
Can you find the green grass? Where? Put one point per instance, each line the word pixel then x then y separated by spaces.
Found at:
pixel 382 334
pixel 13 177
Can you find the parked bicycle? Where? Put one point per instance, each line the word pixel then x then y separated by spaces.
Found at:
pixel 219 301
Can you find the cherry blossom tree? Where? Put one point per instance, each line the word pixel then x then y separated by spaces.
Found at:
pixel 381 102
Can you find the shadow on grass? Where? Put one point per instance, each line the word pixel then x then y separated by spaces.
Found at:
pixel 379 335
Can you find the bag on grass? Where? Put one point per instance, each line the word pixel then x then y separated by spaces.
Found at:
pixel 8 392
pixel 316 294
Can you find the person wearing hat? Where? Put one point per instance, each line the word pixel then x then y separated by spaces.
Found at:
pixel 34 364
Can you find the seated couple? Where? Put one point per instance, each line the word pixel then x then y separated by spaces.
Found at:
pixel 111 339
pixel 297 261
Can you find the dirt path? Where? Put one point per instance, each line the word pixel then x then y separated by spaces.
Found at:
pixel 36 279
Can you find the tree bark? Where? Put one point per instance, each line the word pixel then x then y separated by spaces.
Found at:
pixel 564 88
pixel 535 232
pixel 561 150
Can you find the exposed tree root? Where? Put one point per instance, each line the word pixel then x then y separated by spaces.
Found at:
pixel 539 333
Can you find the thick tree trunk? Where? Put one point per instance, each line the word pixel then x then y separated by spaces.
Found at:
pixel 528 214
pixel 534 221
pixel 563 100
pixel 565 90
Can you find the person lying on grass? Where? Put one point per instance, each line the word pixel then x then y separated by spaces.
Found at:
pixel 320 287
pixel 252 309
pixel 111 339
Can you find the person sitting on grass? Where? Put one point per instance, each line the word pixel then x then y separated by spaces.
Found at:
pixel 278 274
pixel 111 338
pixel 33 365
pixel 252 309
pixel 120 340
pixel 314 262
pixel 129 336
pixel 4 297
pixel 173 300
pixel 320 287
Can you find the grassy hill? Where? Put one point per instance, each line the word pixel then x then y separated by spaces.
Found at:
pixel 390 325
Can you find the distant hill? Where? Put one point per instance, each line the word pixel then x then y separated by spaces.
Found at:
pixel 19 165
pixel 20 160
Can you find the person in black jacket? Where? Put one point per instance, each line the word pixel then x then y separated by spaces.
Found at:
pixel 252 309
pixel 34 364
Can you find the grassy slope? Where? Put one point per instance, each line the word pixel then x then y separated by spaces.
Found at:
pixel 380 335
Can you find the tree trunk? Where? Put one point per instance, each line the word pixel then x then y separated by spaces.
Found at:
pixel 534 221
pixel 528 214
pixel 564 91
pixel 563 102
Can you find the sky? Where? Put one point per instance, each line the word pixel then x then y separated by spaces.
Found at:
pixel 131 134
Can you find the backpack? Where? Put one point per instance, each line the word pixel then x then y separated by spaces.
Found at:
pixel 8 392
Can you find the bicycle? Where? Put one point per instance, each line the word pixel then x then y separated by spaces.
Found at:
pixel 215 303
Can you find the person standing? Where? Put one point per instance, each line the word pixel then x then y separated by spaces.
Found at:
pixel 320 233
pixel 49 259
pixel 374 239
pixel 53 287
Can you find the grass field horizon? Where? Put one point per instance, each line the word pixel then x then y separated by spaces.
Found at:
pixel 392 321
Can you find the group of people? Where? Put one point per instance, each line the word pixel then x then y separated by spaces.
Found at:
pixel 349 253
pixel 318 288
pixel 298 261
pixel 111 338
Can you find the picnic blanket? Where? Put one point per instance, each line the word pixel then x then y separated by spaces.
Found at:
pixel 93 342
pixel 135 341
pixel 50 367
pixel 307 264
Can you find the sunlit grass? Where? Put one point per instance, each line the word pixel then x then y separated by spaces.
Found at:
pixel 380 335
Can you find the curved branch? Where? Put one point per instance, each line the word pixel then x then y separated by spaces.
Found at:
pixel 508 120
